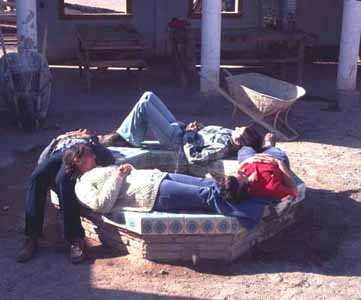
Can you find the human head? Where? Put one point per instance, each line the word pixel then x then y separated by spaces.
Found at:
pixel 246 136
pixel 79 159
pixel 232 190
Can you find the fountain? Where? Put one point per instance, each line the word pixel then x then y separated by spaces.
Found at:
pixel 176 236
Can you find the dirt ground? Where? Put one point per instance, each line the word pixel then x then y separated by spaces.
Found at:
pixel 318 258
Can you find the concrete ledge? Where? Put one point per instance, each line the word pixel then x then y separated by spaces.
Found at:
pixel 183 246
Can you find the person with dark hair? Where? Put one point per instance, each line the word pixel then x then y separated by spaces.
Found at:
pixel 200 143
pixel 103 189
pixel 50 173
pixel 266 174
pixel 233 191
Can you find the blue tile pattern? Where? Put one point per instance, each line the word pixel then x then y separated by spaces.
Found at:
pixel 192 227
pixel 207 226
pixel 175 227
pixel 159 227
pixel 223 226
pixel 147 227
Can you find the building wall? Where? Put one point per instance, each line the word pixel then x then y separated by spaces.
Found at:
pixel 150 17
pixel 322 18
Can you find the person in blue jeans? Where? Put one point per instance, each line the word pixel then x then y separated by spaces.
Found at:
pixel 50 173
pixel 104 189
pixel 266 174
pixel 200 144
pixel 247 152
pixel 150 113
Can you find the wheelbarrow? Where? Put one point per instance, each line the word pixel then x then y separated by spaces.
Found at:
pixel 260 96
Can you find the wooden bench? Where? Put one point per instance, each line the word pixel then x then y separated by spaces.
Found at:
pixel 256 47
pixel 109 46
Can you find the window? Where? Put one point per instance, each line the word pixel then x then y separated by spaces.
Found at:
pixel 229 8
pixel 75 9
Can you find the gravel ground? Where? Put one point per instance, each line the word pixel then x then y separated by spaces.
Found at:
pixel 318 258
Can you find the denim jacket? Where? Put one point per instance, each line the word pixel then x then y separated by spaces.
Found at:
pixel 209 143
pixel 103 155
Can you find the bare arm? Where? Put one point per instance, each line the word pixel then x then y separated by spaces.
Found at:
pixel 288 178
pixel 249 161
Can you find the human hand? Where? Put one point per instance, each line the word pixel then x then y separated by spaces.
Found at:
pixel 241 176
pixel 80 133
pixel 83 133
pixel 125 169
pixel 194 126
pixel 250 160
pixel 266 158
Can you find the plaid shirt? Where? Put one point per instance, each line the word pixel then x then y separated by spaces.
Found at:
pixel 210 143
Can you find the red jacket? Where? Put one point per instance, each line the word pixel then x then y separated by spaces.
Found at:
pixel 267 181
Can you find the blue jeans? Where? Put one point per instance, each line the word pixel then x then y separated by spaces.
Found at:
pixel 179 192
pixel 51 174
pixel 247 152
pixel 150 113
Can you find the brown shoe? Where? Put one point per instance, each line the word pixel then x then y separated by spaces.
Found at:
pixel 113 139
pixel 27 250
pixel 269 140
pixel 77 251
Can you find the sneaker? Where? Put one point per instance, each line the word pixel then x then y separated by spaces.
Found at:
pixel 77 251
pixel 113 139
pixel 27 250
pixel 269 140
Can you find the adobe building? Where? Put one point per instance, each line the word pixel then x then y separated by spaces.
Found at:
pixel 333 23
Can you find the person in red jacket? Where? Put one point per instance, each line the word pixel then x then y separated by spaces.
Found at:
pixel 266 174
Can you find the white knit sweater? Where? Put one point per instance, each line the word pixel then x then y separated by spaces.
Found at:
pixel 102 189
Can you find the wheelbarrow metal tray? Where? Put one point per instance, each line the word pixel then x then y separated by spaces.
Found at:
pixel 263 94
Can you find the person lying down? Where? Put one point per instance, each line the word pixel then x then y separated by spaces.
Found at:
pixel 107 189
pixel 104 189
pixel 266 174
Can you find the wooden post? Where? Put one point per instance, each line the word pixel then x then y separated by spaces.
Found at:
pixel 348 95
pixel 211 46
pixel 26 15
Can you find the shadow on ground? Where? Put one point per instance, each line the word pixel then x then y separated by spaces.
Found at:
pixel 315 244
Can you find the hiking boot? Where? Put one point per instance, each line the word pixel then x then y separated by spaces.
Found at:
pixel 27 250
pixel 113 139
pixel 77 251
pixel 269 140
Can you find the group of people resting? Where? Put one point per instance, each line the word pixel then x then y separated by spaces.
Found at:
pixel 79 167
